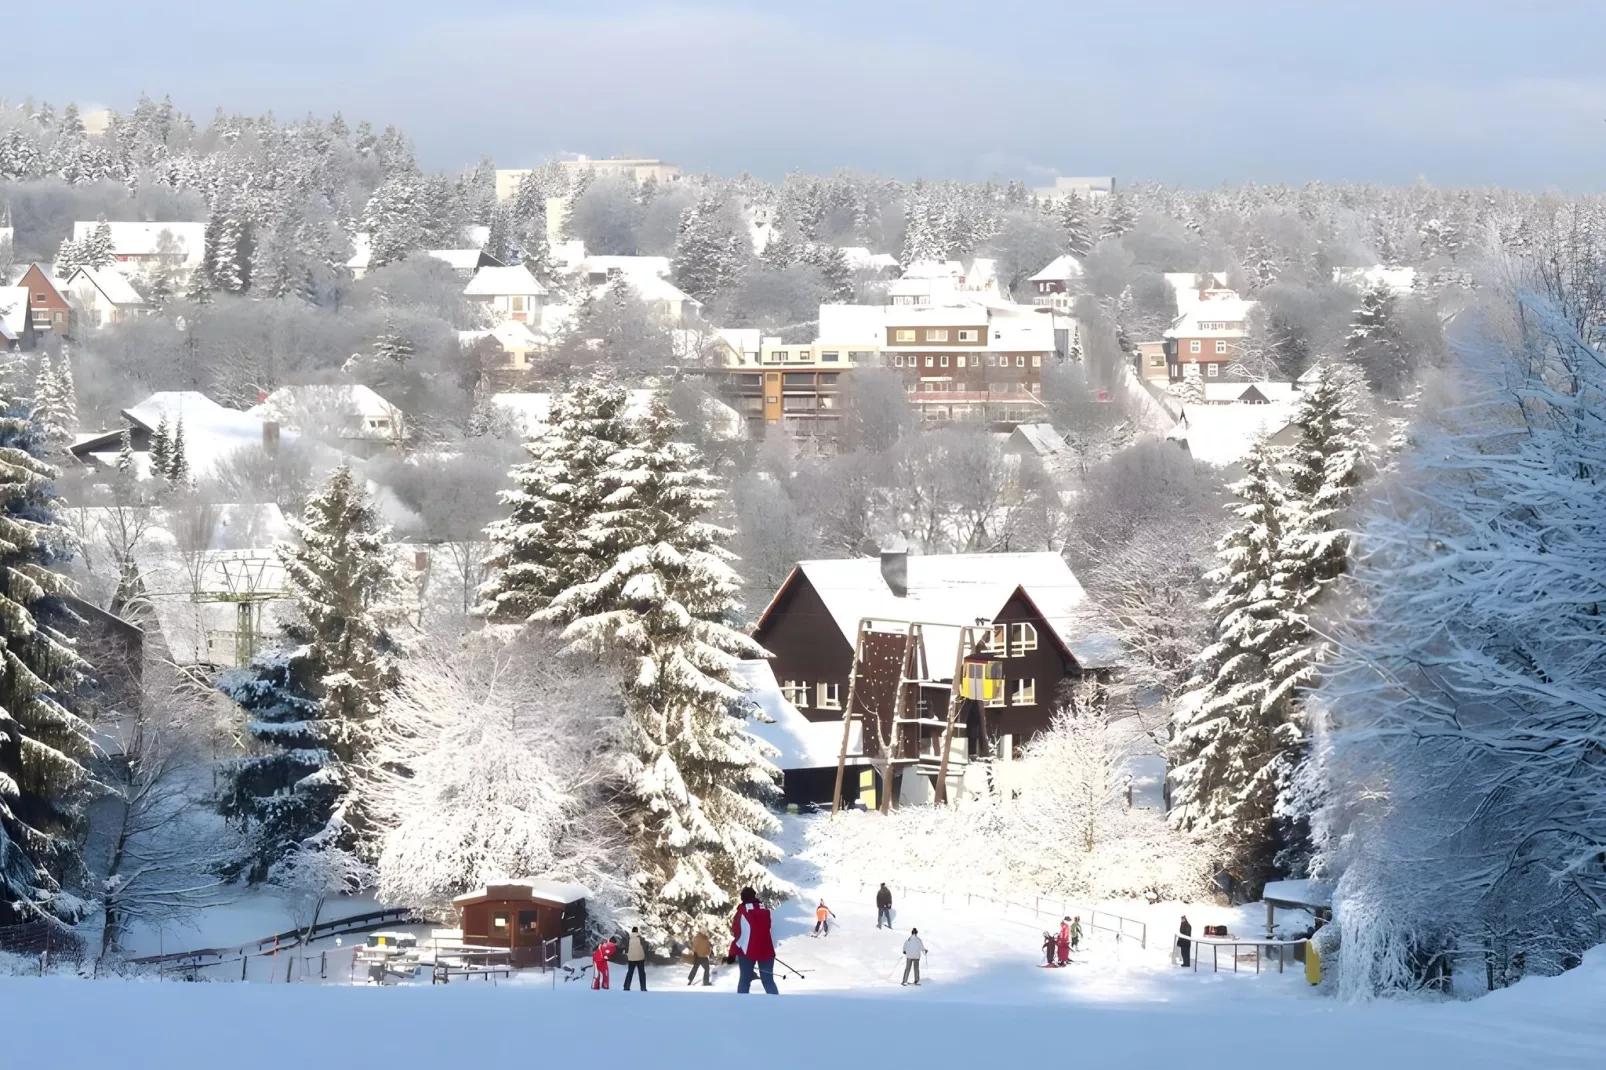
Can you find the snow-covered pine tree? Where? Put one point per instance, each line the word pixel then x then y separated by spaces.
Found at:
pixel 695 782
pixel 391 345
pixel 95 251
pixel 47 415
pixel 161 448
pixel 1321 471
pixel 127 468
pixel 1073 221
pixel 395 218
pixel 833 265
pixel 1239 736
pixel 539 549
pixel 1119 216
pixel 178 472
pixel 42 741
pixel 708 251
pixel 66 389
pixel 1374 344
pixel 316 703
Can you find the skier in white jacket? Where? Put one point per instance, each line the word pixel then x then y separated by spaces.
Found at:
pixel 913 949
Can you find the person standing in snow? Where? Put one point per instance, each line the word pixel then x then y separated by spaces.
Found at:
pixel 599 963
pixel 913 949
pixel 1184 945
pixel 1076 932
pixel 636 955
pixel 752 945
pixel 702 949
pixel 1063 944
pixel 883 906
pixel 1048 949
pixel 822 919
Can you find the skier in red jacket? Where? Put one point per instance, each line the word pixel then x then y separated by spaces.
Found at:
pixel 752 944
pixel 1064 941
pixel 599 960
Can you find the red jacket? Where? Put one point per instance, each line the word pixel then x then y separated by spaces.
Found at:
pixel 751 929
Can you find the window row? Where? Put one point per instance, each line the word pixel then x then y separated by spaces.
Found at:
pixel 936 334
pixel 827 696
pixel 1197 346
pixel 959 360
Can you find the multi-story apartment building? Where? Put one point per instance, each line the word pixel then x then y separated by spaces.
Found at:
pixel 640 170
pixel 1210 333
pixel 971 363
pixel 797 385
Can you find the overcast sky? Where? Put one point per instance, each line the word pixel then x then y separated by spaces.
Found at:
pixel 1189 91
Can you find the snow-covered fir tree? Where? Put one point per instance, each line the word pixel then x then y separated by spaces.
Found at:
pixel 709 253
pixel 694 782
pixel 161 448
pixel 53 424
pixel 542 548
pixel 178 472
pixel 43 742
pixel 1073 221
pixel 322 696
pixel 395 218
pixel 392 346
pixel 1239 735
pixel 1374 344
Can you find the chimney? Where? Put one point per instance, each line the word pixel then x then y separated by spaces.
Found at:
pixel 270 437
pixel 895 570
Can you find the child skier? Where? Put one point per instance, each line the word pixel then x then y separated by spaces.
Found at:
pixel 1048 949
pixel 1063 945
pixel 822 919
pixel 1076 932
pixel 599 961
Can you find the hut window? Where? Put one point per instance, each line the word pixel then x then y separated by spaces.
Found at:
pixel 1025 693
pixel 796 692
pixel 499 920
pixel 828 696
pixel 1024 638
pixel 529 921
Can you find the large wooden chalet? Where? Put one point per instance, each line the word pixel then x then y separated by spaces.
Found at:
pixel 1039 625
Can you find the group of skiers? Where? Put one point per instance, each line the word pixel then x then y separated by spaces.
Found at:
pixel 752 947
pixel 1068 940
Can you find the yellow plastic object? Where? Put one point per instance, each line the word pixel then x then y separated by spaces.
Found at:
pixel 1313 964
pixel 983 680
pixel 867 788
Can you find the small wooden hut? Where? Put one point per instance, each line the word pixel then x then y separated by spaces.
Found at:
pixel 542 922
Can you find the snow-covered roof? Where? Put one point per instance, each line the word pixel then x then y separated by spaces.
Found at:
pixel 1399 281
pixel 853 324
pixel 1015 334
pixel 478 234
pixel 950 591
pixel 1041 439
pixel 552 891
pixel 860 258
pixel 1060 269
pixel 1219 392
pixel 1217 314
pixel 1305 892
pixel 632 267
pixel 511 335
pixel 1222 434
pixel 742 342
pixel 499 281
pixel 211 432
pixel 531 411
pixel 1185 285
pixel 464 260
pixel 144 239
pixel 112 284
pixel 652 288
pixel 803 744
pixel 14 310
pixel 344 410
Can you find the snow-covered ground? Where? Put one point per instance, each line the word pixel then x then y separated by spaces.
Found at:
pixel 984 999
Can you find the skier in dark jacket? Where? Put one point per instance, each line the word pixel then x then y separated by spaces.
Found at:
pixel 1185 945
pixel 1049 944
pixel 883 906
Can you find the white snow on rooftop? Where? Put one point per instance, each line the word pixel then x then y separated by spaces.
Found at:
pixel 511 335
pixel 803 744
pixel 531 411
pixel 138 239
pixel 1061 269
pixel 1218 314
pixel 499 281
pixel 464 260
pixel 14 310
pixel 342 410
pixel 1220 393
pixel 1222 434
pixel 860 258
pixel 211 432
pixel 554 891
pixel 955 590
pixel 112 284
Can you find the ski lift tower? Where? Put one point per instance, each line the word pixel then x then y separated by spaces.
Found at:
pixel 248 580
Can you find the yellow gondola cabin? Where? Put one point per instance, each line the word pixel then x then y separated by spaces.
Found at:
pixel 983 679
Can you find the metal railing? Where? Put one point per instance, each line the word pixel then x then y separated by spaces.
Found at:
pixel 1117 925
pixel 1260 948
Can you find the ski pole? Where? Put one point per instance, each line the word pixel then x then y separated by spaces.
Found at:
pixel 793 969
